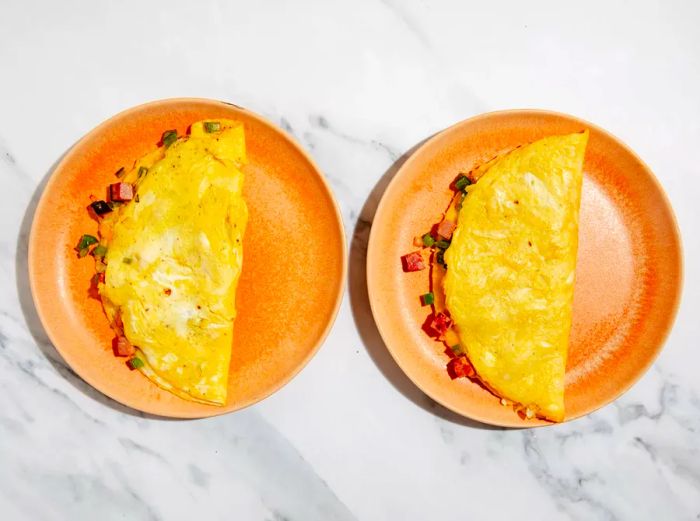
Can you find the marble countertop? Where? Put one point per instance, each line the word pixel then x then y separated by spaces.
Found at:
pixel 358 84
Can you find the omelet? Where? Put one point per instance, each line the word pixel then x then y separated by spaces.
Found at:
pixel 174 255
pixel 511 267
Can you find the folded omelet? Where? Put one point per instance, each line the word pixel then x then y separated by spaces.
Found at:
pixel 174 257
pixel 510 271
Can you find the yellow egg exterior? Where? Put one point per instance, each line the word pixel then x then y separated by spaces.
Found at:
pixel 174 258
pixel 511 266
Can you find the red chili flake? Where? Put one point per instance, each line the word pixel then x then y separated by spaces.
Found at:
pixel 122 347
pixel 167 291
pixel 121 192
pixel 460 368
pixel 446 228
pixel 413 262
pixel 441 323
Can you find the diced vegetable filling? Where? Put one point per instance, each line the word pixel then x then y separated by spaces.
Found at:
pixel 101 207
pixel 413 262
pixel 122 347
pixel 121 192
pixel 169 137
pixel 446 228
pixel 212 126
pixel 441 323
pixel 460 367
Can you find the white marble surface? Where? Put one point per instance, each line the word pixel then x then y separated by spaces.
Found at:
pixel 358 84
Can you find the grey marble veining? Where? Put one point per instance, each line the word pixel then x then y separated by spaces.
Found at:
pixel 359 85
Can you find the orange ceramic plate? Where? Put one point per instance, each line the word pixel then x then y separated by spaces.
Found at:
pixel 628 273
pixel 290 287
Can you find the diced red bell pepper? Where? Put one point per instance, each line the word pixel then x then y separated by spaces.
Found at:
pixel 460 368
pixel 413 262
pixel 121 192
pixel 118 322
pixel 441 323
pixel 446 228
pixel 122 347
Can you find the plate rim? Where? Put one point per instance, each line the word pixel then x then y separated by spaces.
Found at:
pixel 395 181
pixel 32 258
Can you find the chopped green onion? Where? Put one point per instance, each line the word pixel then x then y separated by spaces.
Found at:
pixel 442 244
pixel 428 299
pixel 428 240
pixel 86 241
pixel 212 126
pixel 462 182
pixel 169 137
pixel 99 251
pixel 120 172
pixel 142 171
pixel 83 252
pixel 456 349
pixel 440 258
pixel 127 260
pixel 135 363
